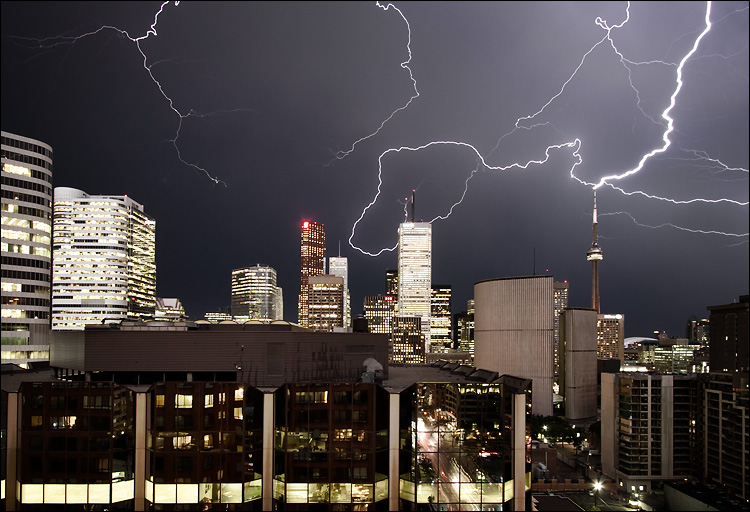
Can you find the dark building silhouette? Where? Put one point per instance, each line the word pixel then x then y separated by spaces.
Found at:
pixel 730 338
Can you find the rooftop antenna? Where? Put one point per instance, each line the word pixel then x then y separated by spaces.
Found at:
pixel 413 199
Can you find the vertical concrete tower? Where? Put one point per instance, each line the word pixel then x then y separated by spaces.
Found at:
pixel 595 256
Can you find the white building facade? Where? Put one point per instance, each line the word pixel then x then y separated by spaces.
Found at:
pixel 339 266
pixel 104 260
pixel 415 274
pixel 26 249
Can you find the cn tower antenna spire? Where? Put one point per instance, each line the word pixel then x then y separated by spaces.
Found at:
pixel 413 199
pixel 595 256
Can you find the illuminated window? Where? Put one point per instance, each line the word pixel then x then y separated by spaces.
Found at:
pixel 222 398
pixel 183 401
pixel 208 401
pixel 239 394
pixel 238 413
pixel 182 442
pixel 208 441
pixel 159 400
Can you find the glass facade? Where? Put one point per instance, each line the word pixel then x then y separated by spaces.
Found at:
pixel 255 294
pixel 78 446
pixel 379 311
pixel 26 215
pixel 205 445
pixel 456 446
pixel 331 446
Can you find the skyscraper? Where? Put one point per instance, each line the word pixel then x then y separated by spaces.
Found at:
pixel 312 262
pixel 325 302
pixel 391 282
pixel 26 248
pixel 578 363
pixel 379 311
pixel 255 294
pixel 611 337
pixel 464 326
pixel 415 274
pixel 441 319
pixel 104 261
pixel 561 302
pixel 595 256
pixel 339 266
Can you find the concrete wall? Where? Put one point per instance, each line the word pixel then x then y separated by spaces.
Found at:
pixel 578 362
pixel 514 332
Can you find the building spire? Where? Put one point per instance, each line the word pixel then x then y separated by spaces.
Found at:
pixel 595 255
pixel 413 199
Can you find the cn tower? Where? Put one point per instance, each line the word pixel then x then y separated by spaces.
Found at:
pixel 595 256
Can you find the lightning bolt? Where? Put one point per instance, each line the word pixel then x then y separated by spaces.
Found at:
pixel 529 122
pixel 680 228
pixel 340 155
pixel 52 42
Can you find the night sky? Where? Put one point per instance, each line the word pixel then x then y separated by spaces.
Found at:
pixel 272 93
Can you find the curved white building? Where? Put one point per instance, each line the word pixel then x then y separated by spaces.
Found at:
pixel 103 260
pixel 26 249
pixel 255 295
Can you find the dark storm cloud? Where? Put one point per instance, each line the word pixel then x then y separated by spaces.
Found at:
pixel 291 83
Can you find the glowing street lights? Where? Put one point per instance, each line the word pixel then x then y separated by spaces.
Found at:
pixel 597 487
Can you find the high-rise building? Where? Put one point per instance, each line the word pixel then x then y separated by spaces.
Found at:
pixel 730 337
pixel 312 262
pixel 464 328
pixel 407 341
pixel 415 274
pixel 578 363
pixel 611 337
pixel 595 255
pixel 513 332
pixel 391 282
pixel 339 266
pixel 441 319
pixel 697 330
pixel 255 295
pixel 104 265
pixel 26 249
pixel 561 302
pixel 379 311
pixel 648 428
pixel 325 297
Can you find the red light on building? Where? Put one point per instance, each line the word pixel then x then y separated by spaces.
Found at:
pixel 305 225
pixel 388 297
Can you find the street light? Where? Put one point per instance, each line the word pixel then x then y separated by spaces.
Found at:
pixel 597 488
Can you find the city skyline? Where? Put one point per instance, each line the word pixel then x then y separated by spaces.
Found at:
pixel 277 90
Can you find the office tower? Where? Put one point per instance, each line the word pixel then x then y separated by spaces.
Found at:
pixel 648 425
pixel 104 266
pixel 407 344
pixel 513 332
pixel 325 297
pixel 255 295
pixel 595 255
pixel 561 302
pixel 415 274
pixel 312 262
pixel 697 330
pixel 611 337
pixel 464 328
pixel 339 266
pixel 169 309
pixel 391 282
pixel 578 363
pixel 379 312
pixel 678 358
pixel 730 338
pixel 441 319
pixel 26 249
